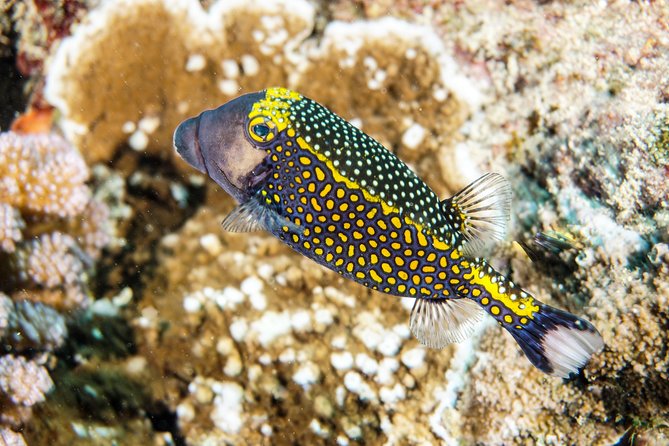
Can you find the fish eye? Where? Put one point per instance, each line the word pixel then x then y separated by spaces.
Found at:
pixel 261 129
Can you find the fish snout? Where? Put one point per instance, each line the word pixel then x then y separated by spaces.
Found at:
pixel 187 143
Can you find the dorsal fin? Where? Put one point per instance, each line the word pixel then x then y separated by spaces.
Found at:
pixel 480 211
pixel 439 322
pixel 253 216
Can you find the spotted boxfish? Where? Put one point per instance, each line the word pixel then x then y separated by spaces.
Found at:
pixel 338 197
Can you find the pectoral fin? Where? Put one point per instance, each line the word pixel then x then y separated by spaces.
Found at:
pixel 252 215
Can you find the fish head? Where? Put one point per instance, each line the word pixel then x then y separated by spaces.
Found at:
pixel 221 144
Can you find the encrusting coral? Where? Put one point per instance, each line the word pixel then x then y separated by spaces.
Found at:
pixel 200 60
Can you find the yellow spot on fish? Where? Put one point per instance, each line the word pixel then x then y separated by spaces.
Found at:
pixel 375 276
pixel 316 205
pixel 320 175
pixel 402 275
pixel 422 241
pixel 494 309
pixel 305 160
pixel 386 268
pixel 326 190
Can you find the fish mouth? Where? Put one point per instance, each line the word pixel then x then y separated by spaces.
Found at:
pixel 186 141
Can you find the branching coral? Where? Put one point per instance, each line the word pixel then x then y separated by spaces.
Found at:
pixel 51 229
pixel 51 226
pixel 42 174
pixel 30 325
pixel 11 225
pixel 23 383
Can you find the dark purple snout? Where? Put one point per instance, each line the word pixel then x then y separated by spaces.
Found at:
pixel 187 143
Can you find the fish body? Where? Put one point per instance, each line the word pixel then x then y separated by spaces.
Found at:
pixel 337 196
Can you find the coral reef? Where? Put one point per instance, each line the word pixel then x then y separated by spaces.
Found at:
pixel 52 226
pixel 241 339
pixel 23 383
pixel 52 229
pixel 203 60
pixel 263 326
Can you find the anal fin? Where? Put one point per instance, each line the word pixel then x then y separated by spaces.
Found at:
pixel 439 322
pixel 480 211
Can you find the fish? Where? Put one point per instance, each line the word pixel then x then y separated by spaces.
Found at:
pixel 337 196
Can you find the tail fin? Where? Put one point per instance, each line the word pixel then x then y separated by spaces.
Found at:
pixel 557 342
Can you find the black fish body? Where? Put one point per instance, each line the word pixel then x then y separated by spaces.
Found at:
pixel 337 196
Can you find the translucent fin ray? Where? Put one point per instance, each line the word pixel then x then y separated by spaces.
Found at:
pixel 439 322
pixel 484 205
pixel 253 216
